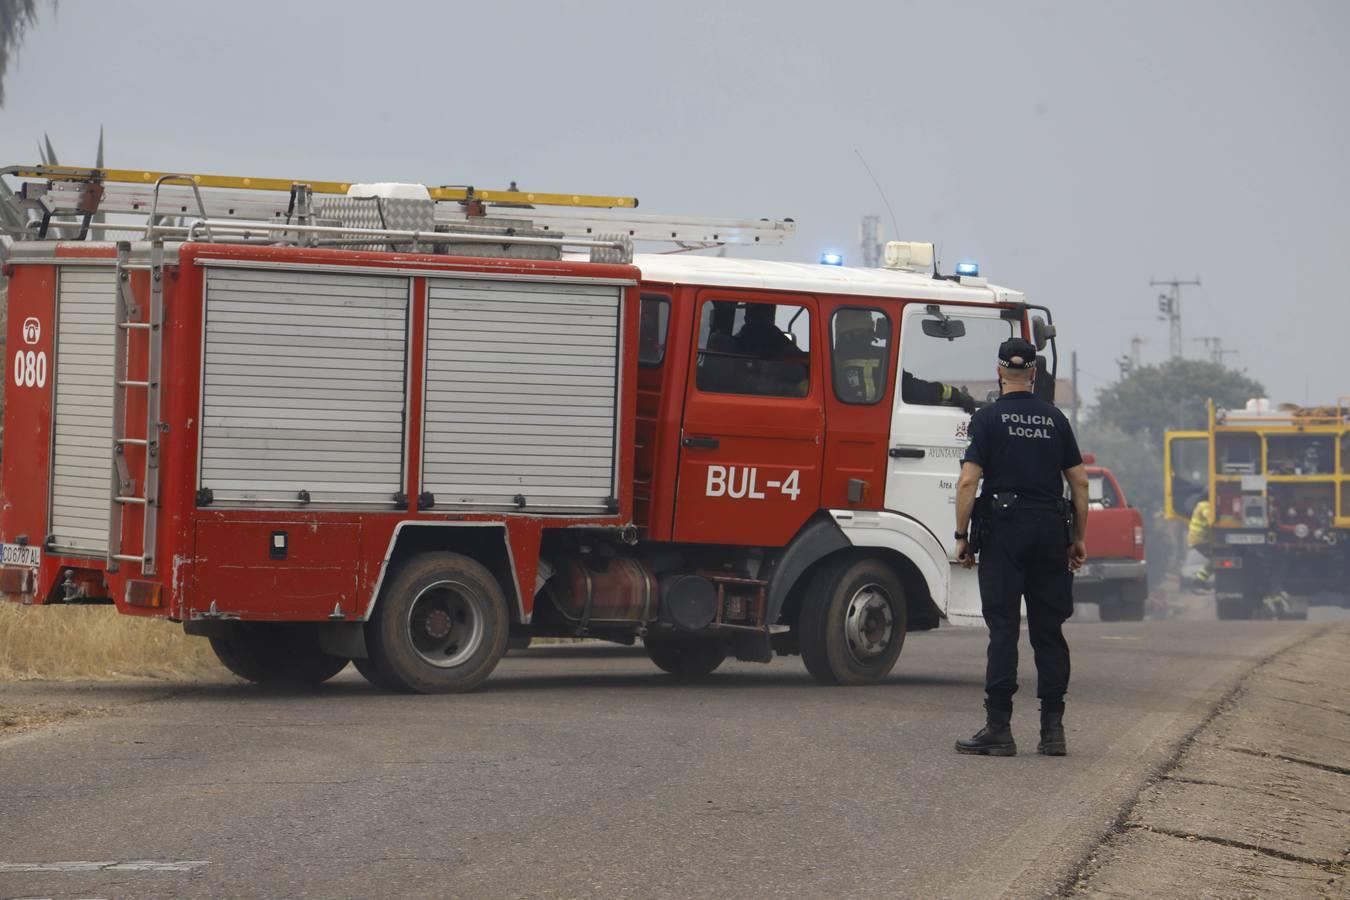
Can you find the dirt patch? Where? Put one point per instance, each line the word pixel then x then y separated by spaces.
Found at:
pixel 18 719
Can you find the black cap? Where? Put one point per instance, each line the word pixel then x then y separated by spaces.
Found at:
pixel 1016 353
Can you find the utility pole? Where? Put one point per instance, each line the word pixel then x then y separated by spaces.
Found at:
pixel 869 237
pixel 1214 345
pixel 1073 364
pixel 1130 362
pixel 1169 307
pixel 1136 342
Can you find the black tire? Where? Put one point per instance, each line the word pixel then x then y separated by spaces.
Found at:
pixel 1227 608
pixel 282 653
pixel 370 672
pixel 685 657
pixel 852 624
pixel 1109 607
pixel 440 627
pixel 1133 599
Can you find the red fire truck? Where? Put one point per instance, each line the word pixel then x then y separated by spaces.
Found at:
pixel 319 423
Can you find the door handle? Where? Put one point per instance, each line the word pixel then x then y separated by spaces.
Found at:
pixel 708 443
pixel 907 452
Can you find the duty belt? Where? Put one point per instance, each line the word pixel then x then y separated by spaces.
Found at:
pixel 1004 500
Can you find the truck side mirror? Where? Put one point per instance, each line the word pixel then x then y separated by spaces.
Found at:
pixel 1041 332
pixel 1044 388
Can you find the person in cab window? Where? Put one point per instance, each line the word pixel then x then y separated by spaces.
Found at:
pixel 860 356
pixel 781 368
pixel 761 337
pixel 934 393
pixel 718 364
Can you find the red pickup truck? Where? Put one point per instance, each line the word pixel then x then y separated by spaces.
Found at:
pixel 1115 576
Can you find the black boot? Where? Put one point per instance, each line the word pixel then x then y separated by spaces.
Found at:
pixel 994 739
pixel 1052 730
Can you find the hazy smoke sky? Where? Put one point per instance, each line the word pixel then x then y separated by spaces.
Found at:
pixel 1073 149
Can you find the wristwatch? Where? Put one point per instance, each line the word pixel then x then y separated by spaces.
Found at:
pixel 963 535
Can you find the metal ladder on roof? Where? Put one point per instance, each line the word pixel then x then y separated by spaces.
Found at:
pixel 268 203
pixel 132 320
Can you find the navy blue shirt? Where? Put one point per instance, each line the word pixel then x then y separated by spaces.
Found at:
pixel 1023 445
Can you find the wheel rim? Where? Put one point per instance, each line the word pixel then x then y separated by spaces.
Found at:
pixel 446 623
pixel 869 624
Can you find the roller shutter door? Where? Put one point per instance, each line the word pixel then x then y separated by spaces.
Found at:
pixel 521 394
pixel 82 444
pixel 303 387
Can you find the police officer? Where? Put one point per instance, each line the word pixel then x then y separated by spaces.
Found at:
pixel 1021 446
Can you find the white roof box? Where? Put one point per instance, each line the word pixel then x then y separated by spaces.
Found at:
pixel 390 190
pixel 909 255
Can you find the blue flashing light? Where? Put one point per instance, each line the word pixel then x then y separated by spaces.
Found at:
pixel 968 268
pixel 830 258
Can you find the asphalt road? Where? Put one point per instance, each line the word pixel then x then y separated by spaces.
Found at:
pixel 580 771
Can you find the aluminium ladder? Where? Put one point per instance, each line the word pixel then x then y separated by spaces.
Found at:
pixel 128 319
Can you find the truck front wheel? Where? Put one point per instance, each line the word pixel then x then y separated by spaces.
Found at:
pixel 441 626
pixel 276 653
pixel 853 621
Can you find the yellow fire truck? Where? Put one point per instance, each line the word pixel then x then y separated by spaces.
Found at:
pixel 1277 482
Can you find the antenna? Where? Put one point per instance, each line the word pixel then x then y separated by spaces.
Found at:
pixel 894 224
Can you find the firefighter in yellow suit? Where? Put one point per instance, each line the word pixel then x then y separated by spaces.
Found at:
pixel 1199 537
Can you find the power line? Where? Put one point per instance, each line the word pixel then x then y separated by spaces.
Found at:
pixel 1215 347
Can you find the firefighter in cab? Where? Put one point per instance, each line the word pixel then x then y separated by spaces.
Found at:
pixel 862 349
pixel 1030 542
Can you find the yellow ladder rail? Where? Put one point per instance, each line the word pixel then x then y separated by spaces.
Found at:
pixel 234 182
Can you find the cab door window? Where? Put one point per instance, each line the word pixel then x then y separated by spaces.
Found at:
pixel 759 349
pixel 946 351
pixel 860 348
pixel 653 324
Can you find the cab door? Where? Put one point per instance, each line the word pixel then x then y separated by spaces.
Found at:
pixel 1188 464
pixel 940 344
pixel 752 433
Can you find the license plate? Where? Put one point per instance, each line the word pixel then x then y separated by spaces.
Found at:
pixel 1244 539
pixel 22 555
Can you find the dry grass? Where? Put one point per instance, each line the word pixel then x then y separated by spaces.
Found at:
pixel 95 643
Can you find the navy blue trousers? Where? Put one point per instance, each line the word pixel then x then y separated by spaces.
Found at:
pixel 1025 554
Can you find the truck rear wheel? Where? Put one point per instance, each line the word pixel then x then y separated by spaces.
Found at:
pixel 1232 608
pixel 441 626
pixel 852 624
pixel 685 657
pixel 276 653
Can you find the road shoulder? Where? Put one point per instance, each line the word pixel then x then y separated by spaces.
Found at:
pixel 1257 803
pixel 28 708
